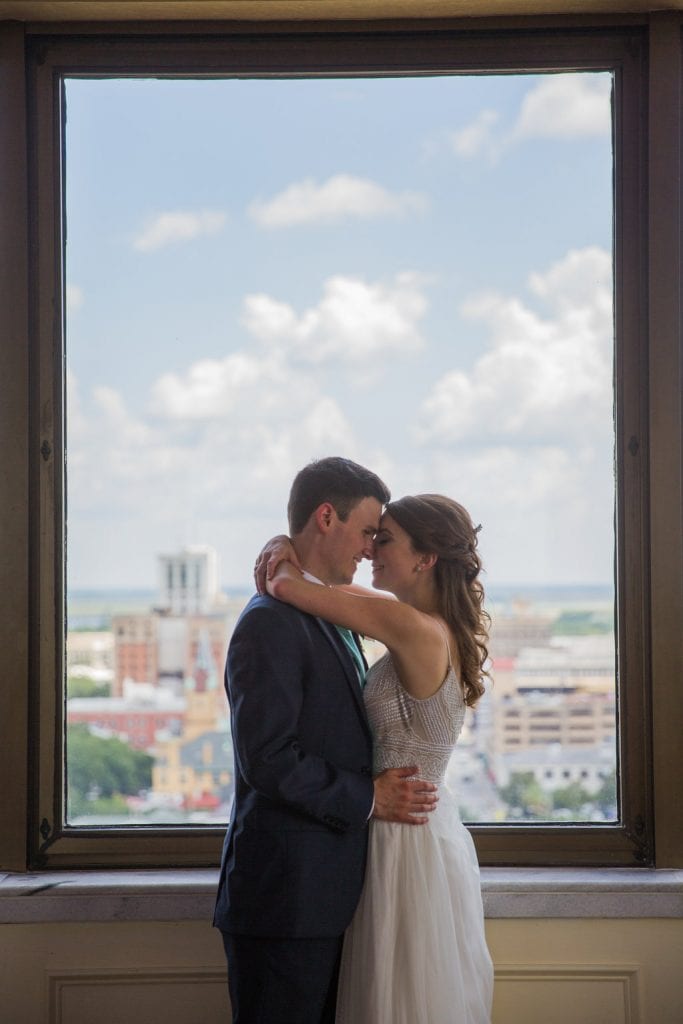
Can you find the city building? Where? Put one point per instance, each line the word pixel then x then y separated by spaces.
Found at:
pixel 139 717
pixel 554 767
pixel 189 581
pixel 160 646
pixel 90 649
pixel 136 650
pixel 521 627
pixel 195 768
pixel 197 772
pixel 552 713
pixel 536 719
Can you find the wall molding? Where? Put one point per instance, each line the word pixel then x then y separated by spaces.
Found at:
pixel 624 978
pixel 77 986
pixel 71 991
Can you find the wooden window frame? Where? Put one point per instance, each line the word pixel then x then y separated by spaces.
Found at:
pixel 37 306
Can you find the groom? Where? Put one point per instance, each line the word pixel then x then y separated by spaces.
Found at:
pixel 294 855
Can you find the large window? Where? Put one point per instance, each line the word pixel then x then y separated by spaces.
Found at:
pixel 432 291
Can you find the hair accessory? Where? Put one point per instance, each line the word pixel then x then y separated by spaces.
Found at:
pixel 477 528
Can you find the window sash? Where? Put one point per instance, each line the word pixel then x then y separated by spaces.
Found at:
pixel 331 53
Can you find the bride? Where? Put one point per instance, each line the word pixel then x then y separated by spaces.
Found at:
pixel 415 952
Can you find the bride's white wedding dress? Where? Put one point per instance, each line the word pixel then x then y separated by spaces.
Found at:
pixel 415 952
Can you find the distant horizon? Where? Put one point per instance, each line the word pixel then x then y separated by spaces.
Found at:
pixel 92 609
pixel 495 592
pixel 244 588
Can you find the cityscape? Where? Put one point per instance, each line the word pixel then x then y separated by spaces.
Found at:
pixel 148 731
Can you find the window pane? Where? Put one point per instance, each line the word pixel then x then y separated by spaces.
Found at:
pixel 428 292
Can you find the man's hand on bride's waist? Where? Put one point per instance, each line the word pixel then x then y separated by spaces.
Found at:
pixel 401 798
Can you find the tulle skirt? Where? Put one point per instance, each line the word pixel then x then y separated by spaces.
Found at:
pixel 415 952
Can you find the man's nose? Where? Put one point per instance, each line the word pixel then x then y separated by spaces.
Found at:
pixel 369 548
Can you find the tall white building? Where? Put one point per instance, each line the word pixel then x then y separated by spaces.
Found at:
pixel 188 581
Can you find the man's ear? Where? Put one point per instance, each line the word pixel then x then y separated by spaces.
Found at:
pixel 324 515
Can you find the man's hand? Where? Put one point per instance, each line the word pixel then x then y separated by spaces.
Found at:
pixel 278 549
pixel 403 799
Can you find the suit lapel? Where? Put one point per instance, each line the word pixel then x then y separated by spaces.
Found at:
pixel 346 662
pixel 356 637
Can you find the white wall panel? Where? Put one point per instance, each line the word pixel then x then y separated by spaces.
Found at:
pixel 568 971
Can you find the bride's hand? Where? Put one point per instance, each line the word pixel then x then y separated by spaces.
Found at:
pixel 276 550
pixel 284 571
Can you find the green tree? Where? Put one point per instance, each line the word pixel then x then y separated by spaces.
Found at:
pixel 582 623
pixel 103 768
pixel 606 796
pixel 573 797
pixel 81 686
pixel 524 794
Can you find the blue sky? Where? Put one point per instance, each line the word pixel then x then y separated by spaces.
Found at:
pixel 413 273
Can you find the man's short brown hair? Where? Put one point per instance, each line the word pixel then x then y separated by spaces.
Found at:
pixel 339 481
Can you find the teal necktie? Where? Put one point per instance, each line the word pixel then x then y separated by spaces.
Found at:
pixel 352 646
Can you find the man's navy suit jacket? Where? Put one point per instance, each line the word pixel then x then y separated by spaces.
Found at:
pixel 294 854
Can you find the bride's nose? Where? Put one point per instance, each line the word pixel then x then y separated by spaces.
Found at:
pixel 369 548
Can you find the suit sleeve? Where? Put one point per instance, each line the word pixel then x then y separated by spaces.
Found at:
pixel 265 673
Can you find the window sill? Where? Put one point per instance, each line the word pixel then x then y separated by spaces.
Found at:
pixel 188 895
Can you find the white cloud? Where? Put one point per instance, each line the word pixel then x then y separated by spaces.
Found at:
pixel 76 420
pixel 178 226
pixel 112 455
pixel 339 198
pixel 355 321
pixel 565 106
pixel 74 298
pixel 239 385
pixel 477 137
pixel 140 483
pixel 212 456
pixel 543 379
pixel 524 437
pixel 246 423
pixel 547 511
pixel 560 106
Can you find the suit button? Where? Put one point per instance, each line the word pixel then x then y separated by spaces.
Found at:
pixel 365 770
pixel 334 822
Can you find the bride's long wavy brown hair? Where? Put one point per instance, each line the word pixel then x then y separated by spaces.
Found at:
pixel 440 526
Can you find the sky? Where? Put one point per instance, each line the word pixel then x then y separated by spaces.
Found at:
pixel 413 273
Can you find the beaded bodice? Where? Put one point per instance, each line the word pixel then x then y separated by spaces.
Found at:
pixel 410 731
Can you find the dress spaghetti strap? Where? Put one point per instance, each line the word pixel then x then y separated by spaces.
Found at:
pixel 448 646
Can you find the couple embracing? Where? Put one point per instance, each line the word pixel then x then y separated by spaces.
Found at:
pixel 349 889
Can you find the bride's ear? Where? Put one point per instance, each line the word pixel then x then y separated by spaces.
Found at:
pixel 426 562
